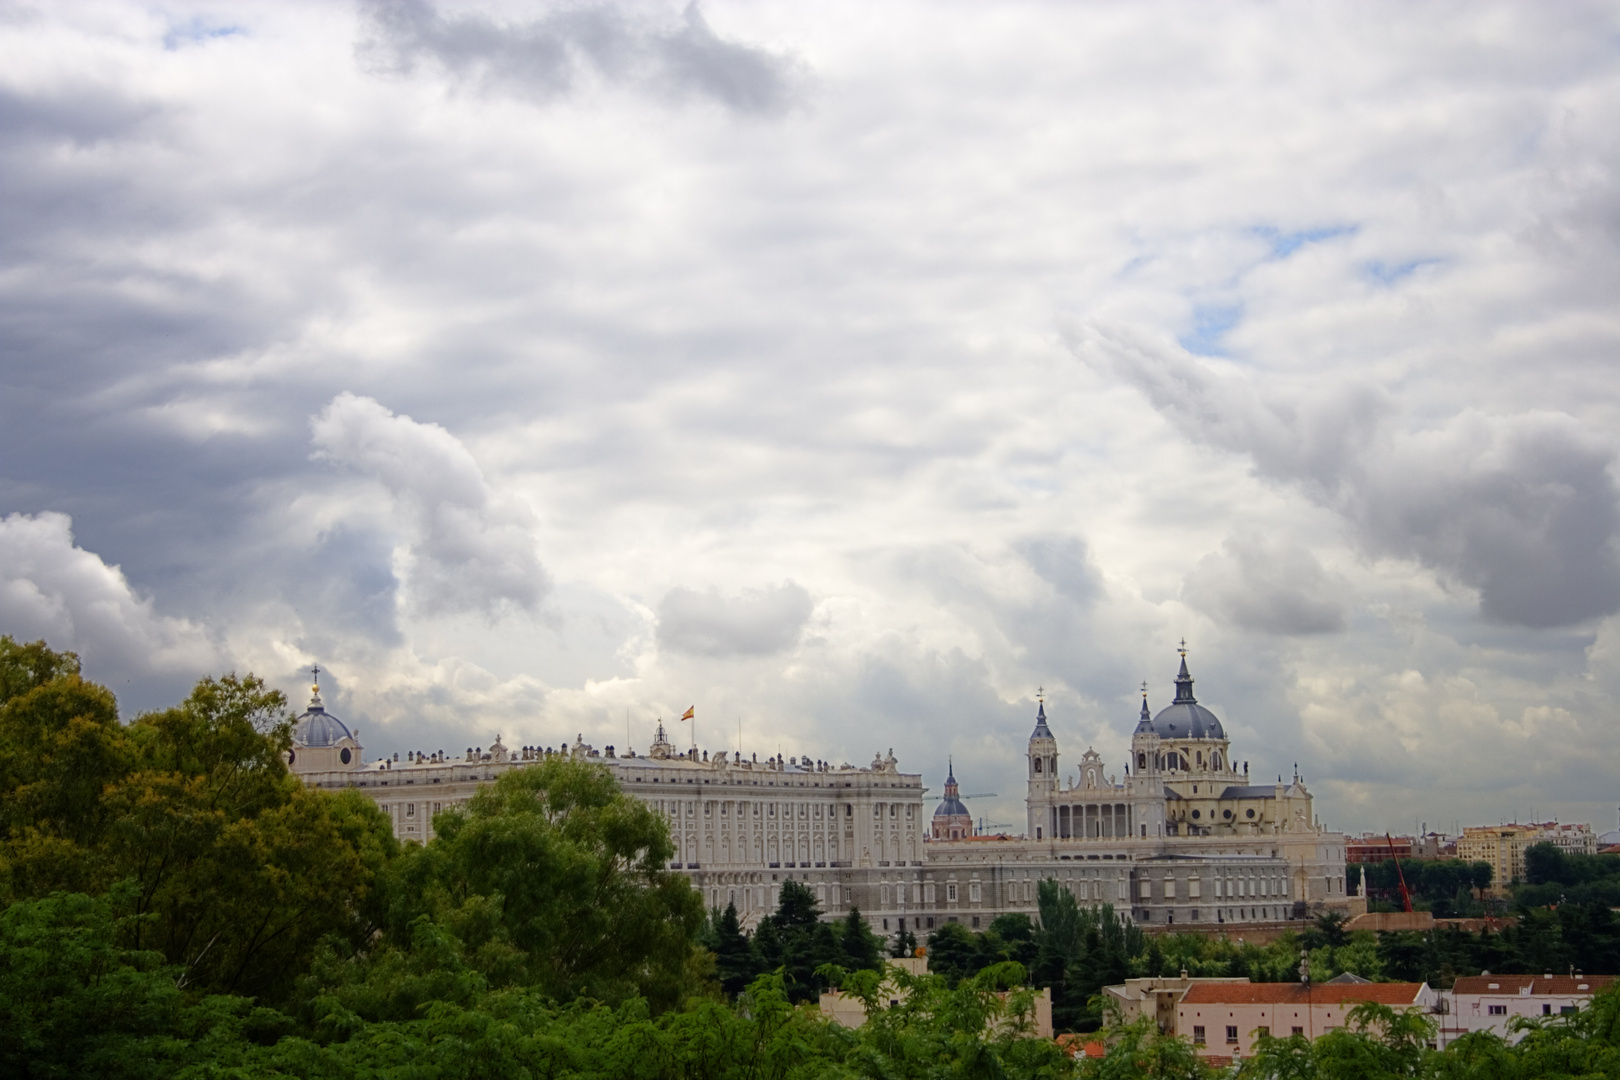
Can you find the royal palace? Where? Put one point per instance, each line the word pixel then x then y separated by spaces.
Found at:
pixel 1181 836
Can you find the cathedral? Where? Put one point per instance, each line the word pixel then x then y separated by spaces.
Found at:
pixel 1179 836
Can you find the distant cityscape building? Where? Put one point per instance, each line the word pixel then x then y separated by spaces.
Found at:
pixel 1376 847
pixel 1503 846
pixel 1183 838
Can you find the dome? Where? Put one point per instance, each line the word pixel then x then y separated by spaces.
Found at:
pixel 1187 720
pixel 317 727
pixel 951 804
pixel 1183 718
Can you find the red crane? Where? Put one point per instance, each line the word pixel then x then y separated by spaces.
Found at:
pixel 1406 895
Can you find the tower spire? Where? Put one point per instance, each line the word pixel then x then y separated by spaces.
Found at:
pixel 1184 680
pixel 1041 730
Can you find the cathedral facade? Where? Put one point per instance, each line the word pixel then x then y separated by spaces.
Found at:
pixel 1181 836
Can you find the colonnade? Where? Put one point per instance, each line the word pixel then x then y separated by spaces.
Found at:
pixel 1092 821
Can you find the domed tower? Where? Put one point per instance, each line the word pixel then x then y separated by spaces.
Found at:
pixel 1043 774
pixel 951 819
pixel 1192 741
pixel 1145 761
pixel 320 741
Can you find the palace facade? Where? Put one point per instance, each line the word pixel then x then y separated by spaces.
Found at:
pixel 1183 838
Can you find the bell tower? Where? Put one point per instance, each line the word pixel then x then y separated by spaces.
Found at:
pixel 1146 782
pixel 1043 774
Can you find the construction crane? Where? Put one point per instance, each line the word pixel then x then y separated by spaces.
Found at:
pixel 1406 895
pixel 983 825
pixel 979 795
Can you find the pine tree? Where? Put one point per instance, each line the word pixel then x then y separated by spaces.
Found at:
pixel 861 947
pixel 737 962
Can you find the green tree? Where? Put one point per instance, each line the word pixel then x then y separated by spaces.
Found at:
pixel 242 867
pixel 737 962
pixel 953 953
pixel 1544 864
pixel 861 948
pixel 61 745
pixel 552 878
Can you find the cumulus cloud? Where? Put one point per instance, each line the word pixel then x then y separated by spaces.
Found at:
pixel 1269 584
pixel 755 622
pixel 547 57
pixel 1523 508
pixel 467 548
pixel 51 588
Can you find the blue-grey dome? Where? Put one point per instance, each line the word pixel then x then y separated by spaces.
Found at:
pixel 951 805
pixel 1187 720
pixel 317 727
pixel 1183 718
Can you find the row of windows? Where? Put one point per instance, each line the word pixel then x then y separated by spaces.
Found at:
pixel 1178 762
pixel 1228 888
pixel 1232 1033
pixel 676 809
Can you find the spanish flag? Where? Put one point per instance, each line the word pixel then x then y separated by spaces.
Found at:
pixel 689 713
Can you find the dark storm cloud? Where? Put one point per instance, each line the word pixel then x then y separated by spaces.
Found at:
pixel 1522 508
pixel 1267 584
pixel 756 622
pixel 547 57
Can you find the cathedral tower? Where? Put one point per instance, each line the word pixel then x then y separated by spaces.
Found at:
pixel 1043 773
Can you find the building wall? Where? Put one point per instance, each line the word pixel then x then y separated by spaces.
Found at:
pixel 856 836
pixel 1228 1028
pixel 1489 1002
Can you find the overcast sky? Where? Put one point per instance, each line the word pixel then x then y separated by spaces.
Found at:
pixel 846 370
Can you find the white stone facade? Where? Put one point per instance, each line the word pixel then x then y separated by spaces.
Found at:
pixel 1182 840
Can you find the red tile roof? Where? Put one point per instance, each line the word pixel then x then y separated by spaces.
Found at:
pixel 1559 985
pixel 1081 1045
pixel 1299 994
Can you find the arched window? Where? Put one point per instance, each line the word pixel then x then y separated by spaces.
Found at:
pixel 1141 762
pixel 1037 764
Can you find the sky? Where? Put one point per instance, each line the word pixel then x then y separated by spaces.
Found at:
pixel 851 372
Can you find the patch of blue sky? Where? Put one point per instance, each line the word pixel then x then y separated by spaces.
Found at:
pixel 1210 325
pixel 1387 273
pixel 197 30
pixel 1284 244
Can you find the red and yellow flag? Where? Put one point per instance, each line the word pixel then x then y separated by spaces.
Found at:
pixel 689 713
